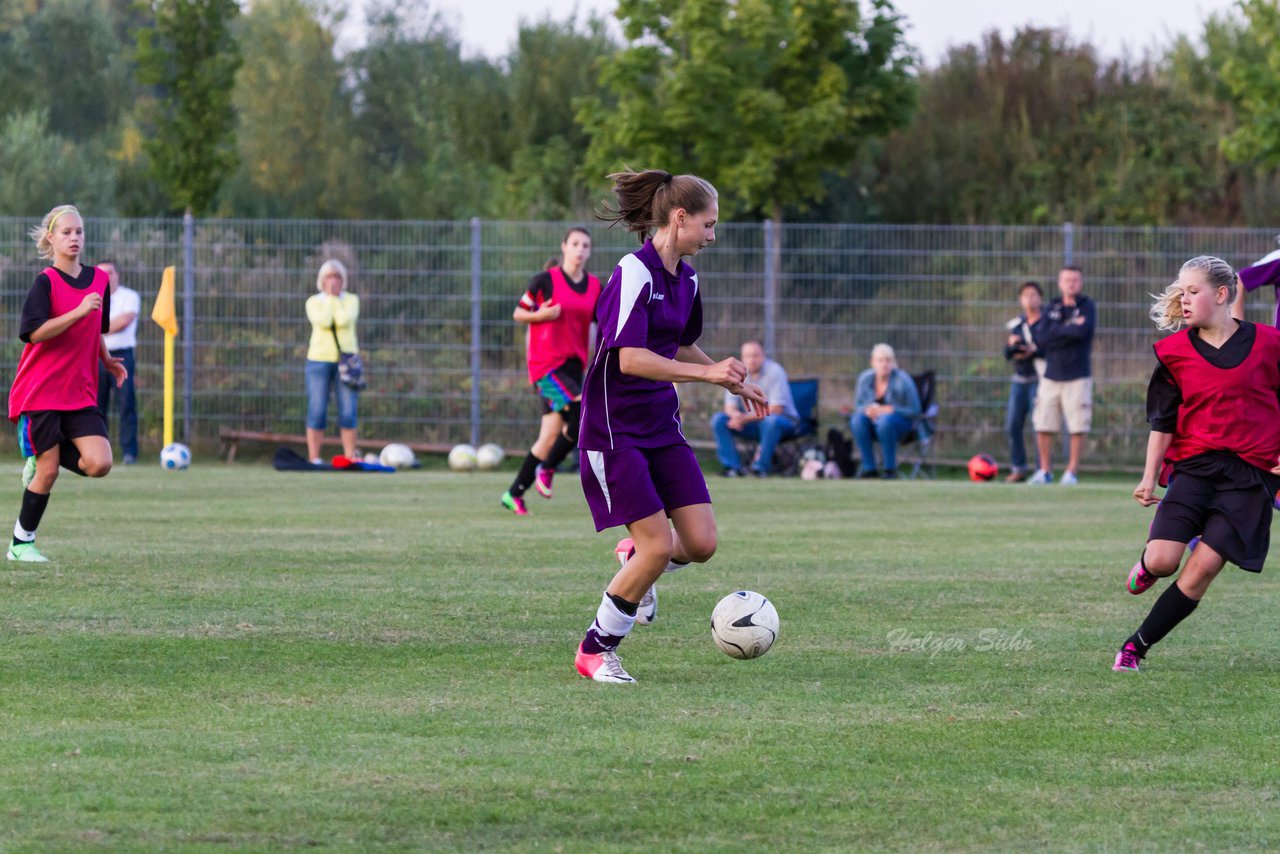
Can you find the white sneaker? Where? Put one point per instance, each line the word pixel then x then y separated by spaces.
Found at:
pixel 602 667
pixel 1041 477
pixel 26 552
pixel 1069 478
pixel 648 610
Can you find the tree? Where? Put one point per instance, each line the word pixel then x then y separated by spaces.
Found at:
pixel 1253 76
pixel 190 58
pixel 761 97
pixel 294 138
pixel 65 59
pixel 553 66
pixel 46 169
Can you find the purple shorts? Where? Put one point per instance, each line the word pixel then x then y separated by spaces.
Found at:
pixel 631 484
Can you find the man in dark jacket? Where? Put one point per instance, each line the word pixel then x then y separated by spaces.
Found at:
pixel 1065 339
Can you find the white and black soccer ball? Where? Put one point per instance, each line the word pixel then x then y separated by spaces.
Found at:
pixel 462 458
pixel 744 624
pixel 490 456
pixel 397 456
pixel 175 457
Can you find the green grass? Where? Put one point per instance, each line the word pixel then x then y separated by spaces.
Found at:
pixel 231 658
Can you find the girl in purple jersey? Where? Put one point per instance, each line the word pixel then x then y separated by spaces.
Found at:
pixel 638 470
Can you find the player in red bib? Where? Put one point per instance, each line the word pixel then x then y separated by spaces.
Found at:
pixel 54 398
pixel 1214 408
pixel 558 307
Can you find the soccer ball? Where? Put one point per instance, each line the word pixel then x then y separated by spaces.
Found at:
pixel 490 456
pixel 176 456
pixel 982 467
pixel 397 456
pixel 744 624
pixel 462 458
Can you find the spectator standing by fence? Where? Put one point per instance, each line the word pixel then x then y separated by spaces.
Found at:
pixel 333 313
pixel 122 342
pixel 1066 391
pixel 1028 364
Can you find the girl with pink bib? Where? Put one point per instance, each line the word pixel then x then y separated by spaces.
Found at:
pixel 54 397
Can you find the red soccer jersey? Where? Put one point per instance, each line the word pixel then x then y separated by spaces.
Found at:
pixel 1226 409
pixel 61 373
pixel 553 343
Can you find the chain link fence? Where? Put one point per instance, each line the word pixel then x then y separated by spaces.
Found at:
pixel 446 362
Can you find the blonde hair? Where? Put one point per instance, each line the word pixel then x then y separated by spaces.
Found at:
pixel 333 265
pixel 886 350
pixel 43 233
pixel 1167 311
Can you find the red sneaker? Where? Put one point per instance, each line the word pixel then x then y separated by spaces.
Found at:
pixel 601 667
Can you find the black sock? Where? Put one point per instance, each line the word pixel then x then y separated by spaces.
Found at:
pixel 559 451
pixel 628 608
pixel 33 504
pixel 524 478
pixel 69 458
pixel 1171 608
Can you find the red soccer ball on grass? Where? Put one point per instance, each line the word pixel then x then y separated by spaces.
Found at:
pixel 983 467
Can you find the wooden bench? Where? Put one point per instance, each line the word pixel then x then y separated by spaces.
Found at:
pixel 231 440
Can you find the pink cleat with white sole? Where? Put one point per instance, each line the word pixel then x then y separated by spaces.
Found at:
pixel 1127 659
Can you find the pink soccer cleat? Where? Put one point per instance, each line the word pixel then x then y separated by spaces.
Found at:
pixel 1127 658
pixel 1140 580
pixel 601 667
pixel 624 550
pixel 542 481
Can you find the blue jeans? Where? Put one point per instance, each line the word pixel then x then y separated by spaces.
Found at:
pixel 128 402
pixel 321 377
pixel 769 431
pixel 887 429
pixel 1021 397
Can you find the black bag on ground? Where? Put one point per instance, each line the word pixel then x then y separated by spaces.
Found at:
pixel 287 459
pixel 840 451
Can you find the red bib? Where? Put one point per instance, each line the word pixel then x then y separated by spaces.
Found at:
pixel 552 344
pixel 1226 409
pixel 61 373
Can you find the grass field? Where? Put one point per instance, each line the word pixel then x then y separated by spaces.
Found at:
pixel 232 658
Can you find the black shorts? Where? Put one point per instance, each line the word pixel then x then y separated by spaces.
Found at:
pixel 1234 518
pixel 560 387
pixel 42 429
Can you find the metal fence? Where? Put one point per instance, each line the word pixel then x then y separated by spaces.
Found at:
pixel 446 361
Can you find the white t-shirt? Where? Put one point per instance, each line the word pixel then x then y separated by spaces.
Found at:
pixel 125 301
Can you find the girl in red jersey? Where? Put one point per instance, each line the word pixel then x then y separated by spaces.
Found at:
pixel 558 308
pixel 54 398
pixel 1214 408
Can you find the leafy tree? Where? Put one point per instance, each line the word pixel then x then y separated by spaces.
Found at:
pixel 190 58
pixel 64 58
pixel 1253 76
pixel 295 147
pixel 761 97
pixel 552 66
pixel 44 169
pixel 431 120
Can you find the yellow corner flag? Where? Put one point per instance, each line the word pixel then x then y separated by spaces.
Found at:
pixel 163 312
pixel 166 316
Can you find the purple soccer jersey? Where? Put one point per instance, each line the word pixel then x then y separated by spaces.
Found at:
pixel 642 306
pixel 1266 271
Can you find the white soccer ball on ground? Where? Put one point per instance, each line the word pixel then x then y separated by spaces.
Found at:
pixel 397 456
pixel 490 456
pixel 744 624
pixel 462 458
pixel 176 456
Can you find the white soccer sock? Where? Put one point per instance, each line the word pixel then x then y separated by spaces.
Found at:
pixel 611 621
pixel 22 534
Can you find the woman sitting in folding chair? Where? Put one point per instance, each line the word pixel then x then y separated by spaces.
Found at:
pixel 885 406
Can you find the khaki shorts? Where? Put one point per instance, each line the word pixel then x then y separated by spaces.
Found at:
pixel 1072 399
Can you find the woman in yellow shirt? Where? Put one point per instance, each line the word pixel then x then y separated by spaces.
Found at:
pixel 333 313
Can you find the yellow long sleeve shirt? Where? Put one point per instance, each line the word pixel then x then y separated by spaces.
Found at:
pixel 324 311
